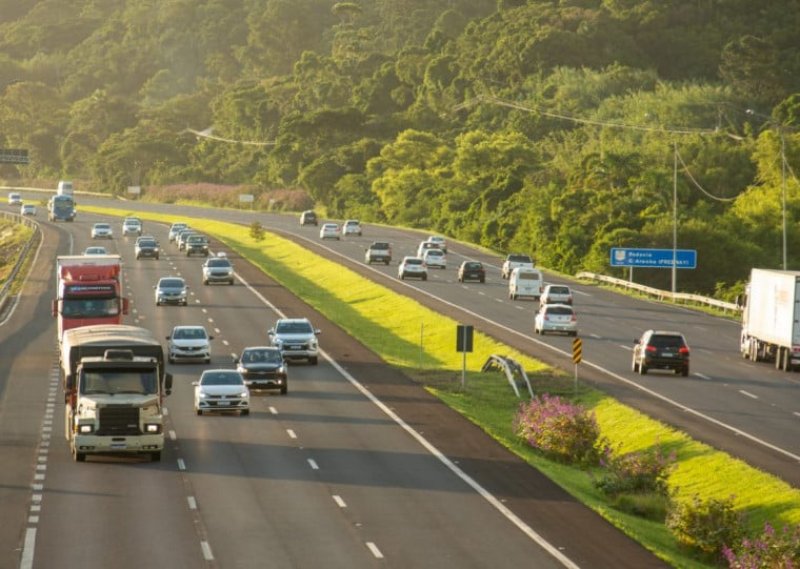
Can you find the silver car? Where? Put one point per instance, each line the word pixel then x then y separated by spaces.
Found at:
pixel 556 318
pixel 217 270
pixel 102 231
pixel 172 290
pixel 189 343
pixel 296 338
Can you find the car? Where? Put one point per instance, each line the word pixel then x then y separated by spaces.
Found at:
pixel 27 209
pixel 102 231
pixel 14 198
pixel 182 236
pixel 131 226
pixel 95 250
pixel 425 245
pixel 412 267
pixel 296 338
pixel 221 390
pixel 379 252
pixel 351 227
pixel 661 349
pixel 171 290
pixel 471 271
pixel 435 258
pixel 263 367
pixel 556 294
pixel 189 343
pixel 217 270
pixel 329 231
pixel 439 240
pixel 556 318
pixel 514 260
pixel 147 247
pixel 196 244
pixel 176 228
pixel 308 218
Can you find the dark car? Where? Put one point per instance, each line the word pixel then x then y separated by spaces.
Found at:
pixel 659 349
pixel 146 248
pixel 308 218
pixel 196 245
pixel 263 367
pixel 471 271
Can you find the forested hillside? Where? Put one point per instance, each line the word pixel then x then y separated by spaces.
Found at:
pixel 555 128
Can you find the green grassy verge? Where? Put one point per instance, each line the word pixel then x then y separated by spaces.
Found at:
pixel 420 342
pixel 13 237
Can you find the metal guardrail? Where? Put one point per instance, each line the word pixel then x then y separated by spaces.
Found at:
pixel 662 294
pixel 23 254
pixel 512 369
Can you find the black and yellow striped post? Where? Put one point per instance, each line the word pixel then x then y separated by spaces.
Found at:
pixel 577 357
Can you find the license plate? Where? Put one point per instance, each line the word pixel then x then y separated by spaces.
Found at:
pixel 667 354
pixel 223 403
pixel 293 347
pixel 119 446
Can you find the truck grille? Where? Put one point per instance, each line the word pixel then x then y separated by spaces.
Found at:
pixel 118 421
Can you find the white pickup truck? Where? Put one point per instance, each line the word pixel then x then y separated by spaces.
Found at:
pixel 515 260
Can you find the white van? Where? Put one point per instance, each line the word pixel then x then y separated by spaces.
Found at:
pixel 525 282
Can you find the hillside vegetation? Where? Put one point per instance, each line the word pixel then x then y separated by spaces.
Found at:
pixel 558 128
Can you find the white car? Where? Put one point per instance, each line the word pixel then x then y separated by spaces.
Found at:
pixel 412 267
pixel 352 227
pixel 435 258
pixel 425 245
pixel 189 343
pixel 176 228
pixel 95 251
pixel 27 209
pixel 102 231
pixel 131 226
pixel 515 261
pixel 329 231
pixel 221 390
pixel 556 294
pixel 439 240
pixel 556 318
pixel 218 270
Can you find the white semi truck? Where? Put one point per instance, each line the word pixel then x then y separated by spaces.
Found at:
pixel 771 318
pixel 114 388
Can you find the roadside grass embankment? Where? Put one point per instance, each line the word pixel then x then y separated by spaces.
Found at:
pixel 420 342
pixel 13 237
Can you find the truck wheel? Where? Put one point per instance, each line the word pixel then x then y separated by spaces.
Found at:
pixel 284 389
pixel 245 412
pixel 313 361
pixel 387 261
pixel 199 411
pixel 155 456
pixel 78 456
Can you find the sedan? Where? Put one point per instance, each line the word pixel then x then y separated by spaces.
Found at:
pixel 189 343
pixel 329 231
pixel 95 251
pixel 412 267
pixel 263 367
pixel 471 271
pixel 556 294
pixel 221 390
pixel 171 290
pixel 556 318
pixel 102 231
pixel 439 240
pixel 435 258
pixel 27 209
pixel 146 248
pixel 217 270
pixel 352 227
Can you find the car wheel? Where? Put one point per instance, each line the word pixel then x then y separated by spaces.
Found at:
pixel 208 360
pixel 155 456
pixel 642 369
pixel 137 257
pixel 230 282
pixel 205 283
pixel 634 367
pixel 402 277
pixel 313 360
pixel 78 456
pixel 284 389
pixel 199 411
pixel 424 277
pixel 483 280
pixel 685 371
pixel 171 360
pixel 156 257
pixel 245 412
pixel 158 303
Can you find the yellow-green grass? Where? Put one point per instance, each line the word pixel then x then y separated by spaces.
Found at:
pixel 420 341
pixel 13 237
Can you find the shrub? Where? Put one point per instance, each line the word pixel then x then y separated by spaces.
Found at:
pixel 649 506
pixel 771 550
pixel 706 526
pixel 636 472
pixel 257 231
pixel 561 430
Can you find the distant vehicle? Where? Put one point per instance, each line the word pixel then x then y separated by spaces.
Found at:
pixel 425 245
pixel 64 188
pixel 183 235
pixel 513 261
pixel 222 390
pixel 102 231
pixel 296 338
pixel 27 209
pixel 351 227
pixel 61 208
pixel 217 270
pixel 556 318
pixel 440 241
pixel 471 271
pixel 189 343
pixel 95 251
pixel 413 267
pixel 147 247
pixel 176 228
pixel 329 231
pixel 263 367
pixel 379 252
pixel 435 258
pixel 308 218
pixel 525 282
pixel 556 294
pixel 171 290
pixel 131 226
pixel 659 349
pixel 14 198
pixel 196 245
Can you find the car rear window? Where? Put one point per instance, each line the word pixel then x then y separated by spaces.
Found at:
pixel 519 258
pixel 560 310
pixel 559 290
pixel 666 341
pixel 473 266
pixel 527 276
pixel 413 261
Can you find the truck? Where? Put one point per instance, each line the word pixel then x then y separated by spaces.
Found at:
pixel 61 208
pixel 514 261
pixel 771 318
pixel 88 291
pixel 114 383
pixel 64 188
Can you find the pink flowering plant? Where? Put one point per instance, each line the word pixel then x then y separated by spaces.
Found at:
pixel 771 550
pixel 560 429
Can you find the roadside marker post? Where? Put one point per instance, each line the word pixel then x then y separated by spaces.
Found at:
pixel 577 357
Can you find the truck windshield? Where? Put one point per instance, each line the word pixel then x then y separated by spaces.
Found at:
pixel 94 308
pixel 113 381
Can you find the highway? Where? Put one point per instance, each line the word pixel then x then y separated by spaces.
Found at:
pixel 356 467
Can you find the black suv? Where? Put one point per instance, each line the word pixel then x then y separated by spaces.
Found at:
pixel 659 349
pixel 308 218
pixel 197 245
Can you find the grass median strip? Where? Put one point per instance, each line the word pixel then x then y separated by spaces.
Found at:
pixel 420 342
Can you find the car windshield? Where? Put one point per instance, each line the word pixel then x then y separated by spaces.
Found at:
pixel 147 243
pixel 218 263
pixel 171 283
pixel 559 310
pixel 293 328
pixel 221 378
pixel 189 334
pixel 667 341
pixel 262 356
pixel 529 276
pixel 413 261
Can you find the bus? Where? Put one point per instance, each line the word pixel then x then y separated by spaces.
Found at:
pixel 61 208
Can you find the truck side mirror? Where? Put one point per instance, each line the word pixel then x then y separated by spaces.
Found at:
pixel 167 383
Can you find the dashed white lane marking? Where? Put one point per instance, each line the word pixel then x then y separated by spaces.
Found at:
pixel 192 502
pixel 703 376
pixel 273 410
pixel 204 310
pixel 291 433
pixel 207 555
pixel 173 435
pixel 312 463
pixel 374 549
pixel 748 394
pixel 226 342
pixel 339 501
pixel 27 551
pixel 181 464
pixel 216 331
pixel 796 413
pixel 166 411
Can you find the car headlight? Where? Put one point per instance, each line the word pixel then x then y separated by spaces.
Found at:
pixel 152 428
pixel 245 394
pixel 201 395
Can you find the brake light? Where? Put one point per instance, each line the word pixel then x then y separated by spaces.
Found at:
pixel 684 351
pixel 574 317
pixel 650 348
